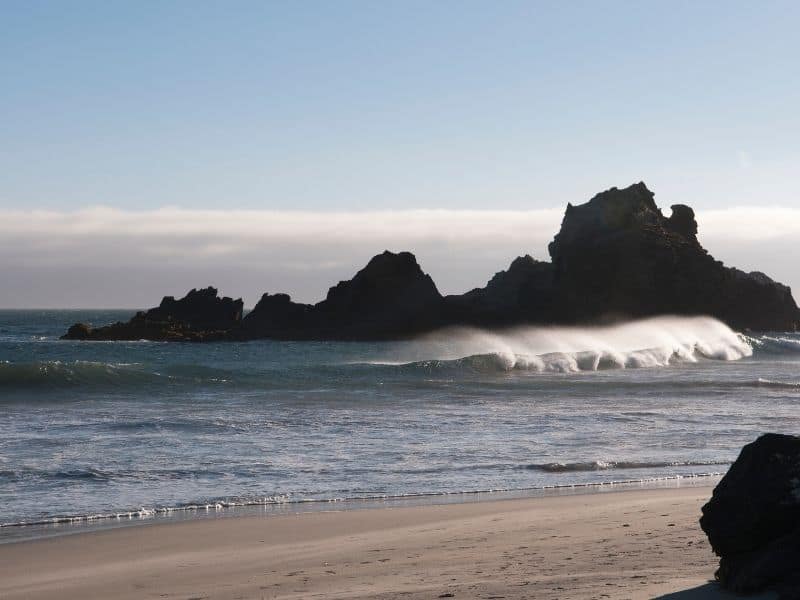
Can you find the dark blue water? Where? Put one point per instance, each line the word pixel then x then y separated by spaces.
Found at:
pixel 103 428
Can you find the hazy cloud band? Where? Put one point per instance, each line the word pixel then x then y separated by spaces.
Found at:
pixel 110 257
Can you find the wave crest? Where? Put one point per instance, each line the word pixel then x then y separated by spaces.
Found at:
pixel 55 372
pixel 599 465
pixel 656 342
pixel 58 374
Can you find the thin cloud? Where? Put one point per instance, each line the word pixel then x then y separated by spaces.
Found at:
pixel 101 256
pixel 749 223
pixel 176 222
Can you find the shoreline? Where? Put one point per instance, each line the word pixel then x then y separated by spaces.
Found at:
pixel 619 544
pixel 57 526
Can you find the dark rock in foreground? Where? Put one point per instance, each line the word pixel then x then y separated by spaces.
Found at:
pixel 199 316
pixel 616 257
pixel 753 518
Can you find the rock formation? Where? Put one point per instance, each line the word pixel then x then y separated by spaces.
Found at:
pixel 753 518
pixel 522 294
pixel 201 315
pixel 391 297
pixel 615 257
pixel 275 316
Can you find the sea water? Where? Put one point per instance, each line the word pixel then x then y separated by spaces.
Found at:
pixel 109 430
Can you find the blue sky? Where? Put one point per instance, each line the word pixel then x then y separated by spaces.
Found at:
pixel 356 116
pixel 365 105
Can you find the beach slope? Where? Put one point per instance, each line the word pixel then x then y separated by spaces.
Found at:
pixel 631 544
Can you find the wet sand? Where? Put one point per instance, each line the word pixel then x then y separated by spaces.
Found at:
pixel 631 544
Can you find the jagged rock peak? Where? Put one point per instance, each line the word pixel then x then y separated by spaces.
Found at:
pixel 275 299
pixel 387 263
pixel 274 313
pixel 195 294
pixel 519 271
pixel 202 306
pixel 390 296
pixel 385 275
pixel 682 221
pixel 613 209
pixel 617 207
pixel 618 211
pixel 524 262
pixel 271 304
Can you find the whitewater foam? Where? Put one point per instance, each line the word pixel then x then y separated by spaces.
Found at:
pixel 655 342
pixel 317 503
pixel 783 385
pixel 601 465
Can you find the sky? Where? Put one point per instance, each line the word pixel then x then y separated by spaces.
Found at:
pixel 150 147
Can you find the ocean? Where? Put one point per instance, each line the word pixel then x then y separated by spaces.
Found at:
pixel 111 431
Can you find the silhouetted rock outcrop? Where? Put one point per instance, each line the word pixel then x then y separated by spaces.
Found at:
pixel 615 257
pixel 390 297
pixel 753 518
pixel 201 315
pixel 522 294
pixel 275 316
pixel 618 257
pixel 199 309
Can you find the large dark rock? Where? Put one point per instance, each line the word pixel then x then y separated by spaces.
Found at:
pixel 199 309
pixel 78 331
pixel 616 257
pixel 275 316
pixel 390 297
pixel 522 294
pixel 619 257
pixel 753 518
pixel 201 315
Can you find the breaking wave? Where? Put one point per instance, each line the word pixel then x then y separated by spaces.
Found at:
pixel 56 374
pixel 774 344
pixel 599 465
pixel 780 385
pixel 649 343
pixel 656 342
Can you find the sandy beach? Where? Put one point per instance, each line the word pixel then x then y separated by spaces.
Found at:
pixel 630 544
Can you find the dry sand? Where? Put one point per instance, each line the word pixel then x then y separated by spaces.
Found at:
pixel 631 544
